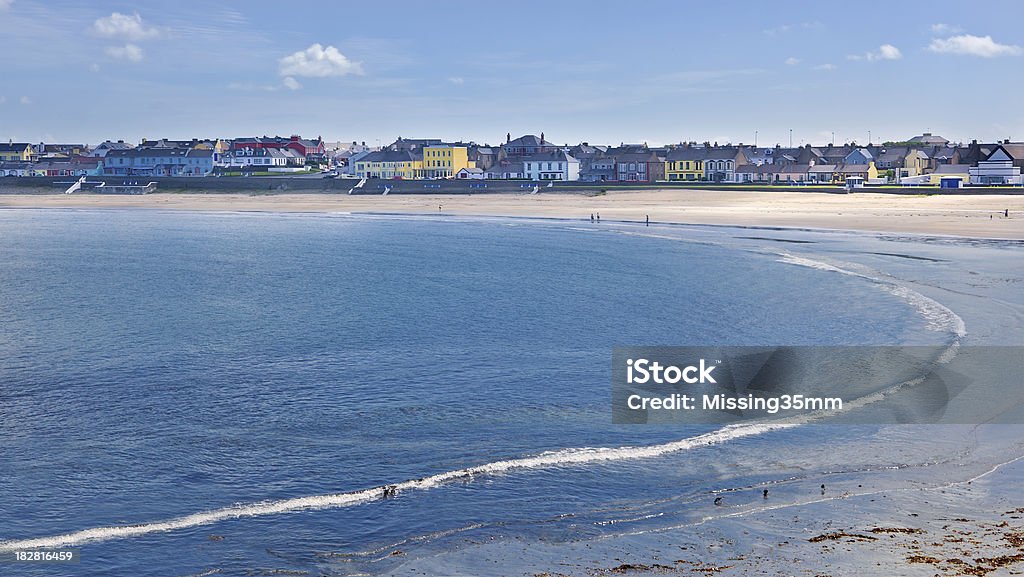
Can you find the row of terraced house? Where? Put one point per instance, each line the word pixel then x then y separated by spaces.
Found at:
pixel 924 159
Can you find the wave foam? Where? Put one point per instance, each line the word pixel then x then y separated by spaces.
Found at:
pixel 564 457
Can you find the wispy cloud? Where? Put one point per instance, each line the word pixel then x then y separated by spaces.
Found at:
pixel 126 28
pixel 5 4
pixel 25 100
pixel 287 83
pixel 318 61
pixel 827 66
pixel 970 45
pixel 130 52
pixel 457 80
pixel 884 52
pixel 792 27
pixel 941 28
pixel 130 28
pixel 791 61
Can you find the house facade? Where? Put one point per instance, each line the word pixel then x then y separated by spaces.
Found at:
pixel 720 164
pixel 444 160
pixel 556 165
pixel 263 158
pixel 526 145
pixel 636 164
pixel 685 164
pixel 158 162
pixel 16 152
pixel 402 164
pixel 997 168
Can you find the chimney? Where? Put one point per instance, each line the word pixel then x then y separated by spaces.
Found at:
pixel 508 137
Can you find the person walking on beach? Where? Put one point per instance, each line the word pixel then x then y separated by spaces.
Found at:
pixel 599 217
pixel 591 217
pixel 1006 213
pixel 648 221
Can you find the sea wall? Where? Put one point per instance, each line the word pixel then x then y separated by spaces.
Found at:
pixel 315 184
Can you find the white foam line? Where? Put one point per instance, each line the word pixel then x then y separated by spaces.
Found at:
pixel 565 457
pixel 939 316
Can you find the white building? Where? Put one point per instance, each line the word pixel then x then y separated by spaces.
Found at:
pixel 558 165
pixel 261 158
pixel 998 168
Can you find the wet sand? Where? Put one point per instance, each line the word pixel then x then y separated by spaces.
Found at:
pixel 959 215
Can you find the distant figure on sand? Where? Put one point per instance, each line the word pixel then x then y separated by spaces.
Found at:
pixel 648 221
pixel 1006 213
pixel 764 494
pixel 591 217
pixel 599 217
pixel 439 208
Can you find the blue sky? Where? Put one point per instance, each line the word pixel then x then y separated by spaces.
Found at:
pixel 596 71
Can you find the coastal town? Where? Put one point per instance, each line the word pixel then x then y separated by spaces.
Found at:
pixel 923 160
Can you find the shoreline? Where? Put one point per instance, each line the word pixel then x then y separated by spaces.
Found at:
pixel 975 216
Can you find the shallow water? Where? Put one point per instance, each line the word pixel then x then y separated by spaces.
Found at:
pixel 160 365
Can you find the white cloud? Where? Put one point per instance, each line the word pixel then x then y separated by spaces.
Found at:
pixel 792 61
pixel 129 52
pixel 122 26
pixel 25 100
pixel 457 80
pixel 286 82
pixel 945 29
pixel 884 52
pixel 785 28
pixel 825 67
pixel 971 45
pixel 5 4
pixel 94 67
pixel 317 61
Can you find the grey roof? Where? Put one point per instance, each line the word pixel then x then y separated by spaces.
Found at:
pixel 686 153
pixel 110 145
pixel 390 156
pixel 553 156
pixel 148 152
pixel 822 168
pixel 529 140
pixel 928 138
pixel 721 153
pixel 952 169
pixel 768 168
pixel 14 146
pixel 1015 150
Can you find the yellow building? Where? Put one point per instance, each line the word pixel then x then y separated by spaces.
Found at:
pixel 15 152
pixel 914 164
pixel 389 164
pixel 444 160
pixel 685 164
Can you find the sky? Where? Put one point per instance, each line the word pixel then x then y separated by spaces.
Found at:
pixel 580 71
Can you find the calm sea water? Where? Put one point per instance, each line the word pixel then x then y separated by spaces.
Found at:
pixel 159 365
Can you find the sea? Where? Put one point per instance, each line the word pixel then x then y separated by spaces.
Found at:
pixel 198 393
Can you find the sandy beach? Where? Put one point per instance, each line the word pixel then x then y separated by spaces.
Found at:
pixel 961 215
